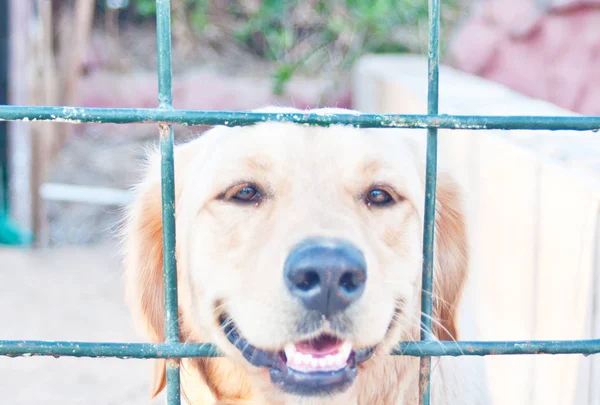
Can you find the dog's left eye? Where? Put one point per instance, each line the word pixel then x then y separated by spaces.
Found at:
pixel 379 197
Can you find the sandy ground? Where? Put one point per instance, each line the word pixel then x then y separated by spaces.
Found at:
pixel 68 294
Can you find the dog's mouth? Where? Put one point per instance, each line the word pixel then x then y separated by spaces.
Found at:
pixel 322 365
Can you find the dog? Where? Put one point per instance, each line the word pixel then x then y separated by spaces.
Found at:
pixel 299 254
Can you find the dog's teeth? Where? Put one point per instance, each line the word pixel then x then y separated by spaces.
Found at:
pixel 290 350
pixel 346 349
pixel 305 362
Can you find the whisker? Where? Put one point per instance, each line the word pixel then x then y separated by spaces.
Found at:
pixel 452 339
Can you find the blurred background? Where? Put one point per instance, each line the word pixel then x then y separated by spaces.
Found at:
pixel 227 55
pixel 535 195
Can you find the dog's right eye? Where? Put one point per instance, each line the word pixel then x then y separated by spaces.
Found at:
pixel 244 193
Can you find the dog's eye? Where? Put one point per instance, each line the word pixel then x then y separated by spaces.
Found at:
pixel 245 193
pixel 379 197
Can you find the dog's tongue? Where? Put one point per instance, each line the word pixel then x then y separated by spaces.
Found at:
pixel 319 347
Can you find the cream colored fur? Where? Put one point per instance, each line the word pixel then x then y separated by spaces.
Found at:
pixel 230 257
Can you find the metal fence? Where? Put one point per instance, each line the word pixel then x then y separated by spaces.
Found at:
pixel 165 115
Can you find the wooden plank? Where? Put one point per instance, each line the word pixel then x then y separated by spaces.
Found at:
pixel 564 288
pixel 43 91
pixel 19 141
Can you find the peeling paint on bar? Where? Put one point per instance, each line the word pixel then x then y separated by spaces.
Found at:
pixel 238 118
pixel 425 380
pixel 27 348
pixel 67 120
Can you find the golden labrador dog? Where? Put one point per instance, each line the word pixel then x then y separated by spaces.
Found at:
pixel 299 255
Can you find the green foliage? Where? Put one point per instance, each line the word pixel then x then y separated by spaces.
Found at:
pixel 197 10
pixel 145 8
pixel 308 35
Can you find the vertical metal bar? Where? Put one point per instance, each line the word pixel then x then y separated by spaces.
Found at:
pixel 4 55
pixel 430 192
pixel 163 38
pixel 165 99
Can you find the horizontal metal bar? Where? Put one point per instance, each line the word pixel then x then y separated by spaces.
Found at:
pixel 17 348
pixel 77 115
pixel 27 348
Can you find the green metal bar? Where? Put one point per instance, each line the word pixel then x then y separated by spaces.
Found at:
pixel 26 348
pixel 77 115
pixel 4 58
pixel 165 100
pixel 163 38
pixel 433 61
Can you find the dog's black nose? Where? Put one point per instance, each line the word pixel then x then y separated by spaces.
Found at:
pixel 327 275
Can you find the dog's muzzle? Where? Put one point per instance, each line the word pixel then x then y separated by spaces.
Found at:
pixel 326 276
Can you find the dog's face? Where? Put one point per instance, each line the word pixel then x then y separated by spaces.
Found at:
pixel 299 250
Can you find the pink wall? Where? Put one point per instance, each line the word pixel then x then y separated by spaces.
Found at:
pixel 552 53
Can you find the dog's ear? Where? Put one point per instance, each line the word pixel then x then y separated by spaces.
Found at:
pixel 143 260
pixel 159 377
pixel 143 253
pixel 451 246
